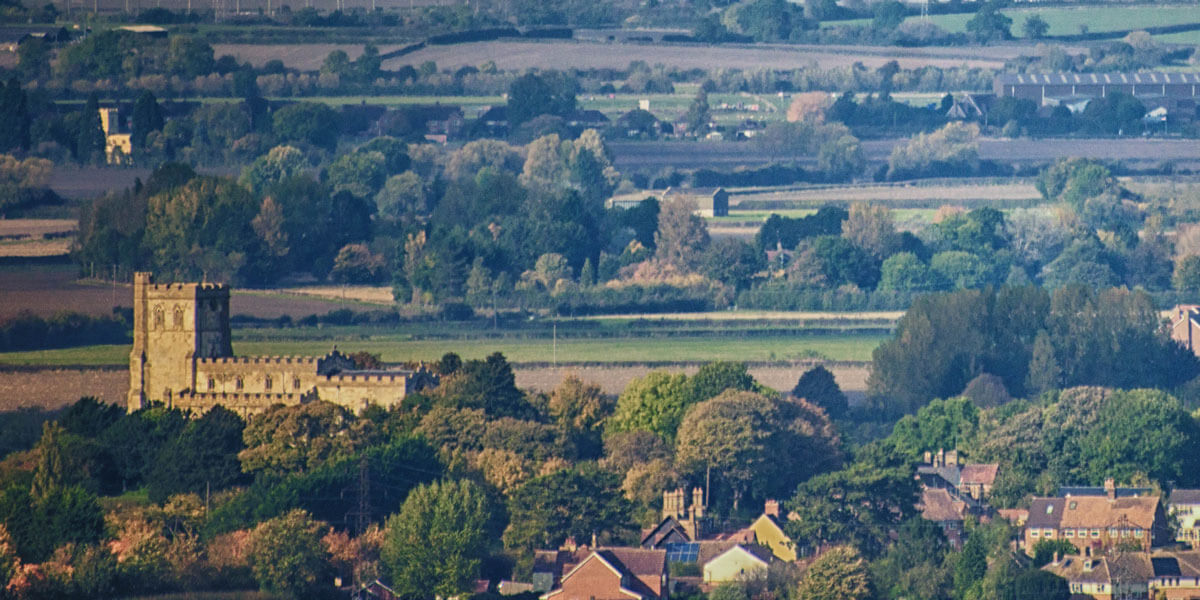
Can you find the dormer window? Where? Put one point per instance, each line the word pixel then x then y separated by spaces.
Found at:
pixel 1049 509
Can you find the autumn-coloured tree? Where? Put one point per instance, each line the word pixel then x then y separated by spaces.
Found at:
pixel 287 556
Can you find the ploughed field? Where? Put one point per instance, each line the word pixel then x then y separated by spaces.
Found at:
pixel 56 387
pixel 566 54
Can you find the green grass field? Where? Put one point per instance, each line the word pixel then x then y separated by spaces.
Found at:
pixel 394 348
pixel 1068 20
pixel 698 349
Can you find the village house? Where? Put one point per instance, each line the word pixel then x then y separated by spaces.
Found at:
pixel 1184 507
pixel 614 574
pixel 680 522
pixel 1185 326
pixel 1095 523
pixel 944 470
pixel 738 563
pixel 1117 577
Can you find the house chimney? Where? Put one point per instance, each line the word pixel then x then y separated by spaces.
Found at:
pixel 952 458
pixel 941 458
pixel 928 457
pixel 698 506
pixel 771 508
pixel 1110 488
pixel 1056 558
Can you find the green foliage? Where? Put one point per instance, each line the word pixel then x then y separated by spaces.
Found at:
pixel 654 403
pixel 435 544
pixel 147 117
pixel 839 574
pixel 756 445
pixel 818 387
pixel 1187 274
pixel 904 272
pixel 202 459
pixel 914 566
pixel 361 173
pixel 545 93
pixel 277 165
pixel 14 110
pixel 202 230
pixel 307 122
pixel 1096 338
pixel 682 235
pixel 989 24
pixel 393 468
pixel 575 502
pixel 1035 27
pixel 288 558
pixel 941 424
pixel 1045 550
pixel 291 439
pixel 858 505
pixel 716 377
pixel 487 384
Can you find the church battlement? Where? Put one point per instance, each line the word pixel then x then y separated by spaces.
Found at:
pixel 289 361
pixel 182 345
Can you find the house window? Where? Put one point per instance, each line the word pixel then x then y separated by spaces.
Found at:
pixel 1137 533
pixel 267 383
pixel 1095 533
pixel 1073 505
pixel 1033 533
pixel 240 383
pixel 1071 533
pixel 1048 533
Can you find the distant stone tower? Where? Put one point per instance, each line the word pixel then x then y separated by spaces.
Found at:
pixel 174 325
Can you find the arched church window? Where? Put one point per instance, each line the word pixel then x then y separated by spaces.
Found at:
pixel 178 317
pixel 159 318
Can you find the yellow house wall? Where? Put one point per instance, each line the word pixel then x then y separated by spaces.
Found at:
pixel 768 534
pixel 733 566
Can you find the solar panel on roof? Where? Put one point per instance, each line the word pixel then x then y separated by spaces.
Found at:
pixel 685 552
pixel 1165 567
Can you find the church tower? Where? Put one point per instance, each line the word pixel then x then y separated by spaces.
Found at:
pixel 173 326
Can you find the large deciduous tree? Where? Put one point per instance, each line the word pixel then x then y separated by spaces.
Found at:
pixel 840 574
pixel 288 558
pixel 654 403
pixel 435 544
pixel 682 235
pixel 754 444
pixel 577 502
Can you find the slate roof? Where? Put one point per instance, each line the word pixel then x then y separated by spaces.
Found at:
pixel 1080 569
pixel 1045 513
pixel 1185 497
pixel 655 536
pixel 1085 490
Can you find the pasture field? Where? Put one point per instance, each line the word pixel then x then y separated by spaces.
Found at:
pixel 395 349
pixel 618 350
pixel 1066 20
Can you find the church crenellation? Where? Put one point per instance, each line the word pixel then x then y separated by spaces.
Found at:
pixel 182 357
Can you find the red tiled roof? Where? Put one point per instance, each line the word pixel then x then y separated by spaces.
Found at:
pixel 984 474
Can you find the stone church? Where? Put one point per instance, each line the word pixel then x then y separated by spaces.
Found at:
pixel 182 357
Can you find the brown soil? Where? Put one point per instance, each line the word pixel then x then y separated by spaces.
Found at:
pixel 52 388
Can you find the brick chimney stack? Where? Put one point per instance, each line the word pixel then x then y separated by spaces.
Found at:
pixel 771 508
pixel 1110 488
